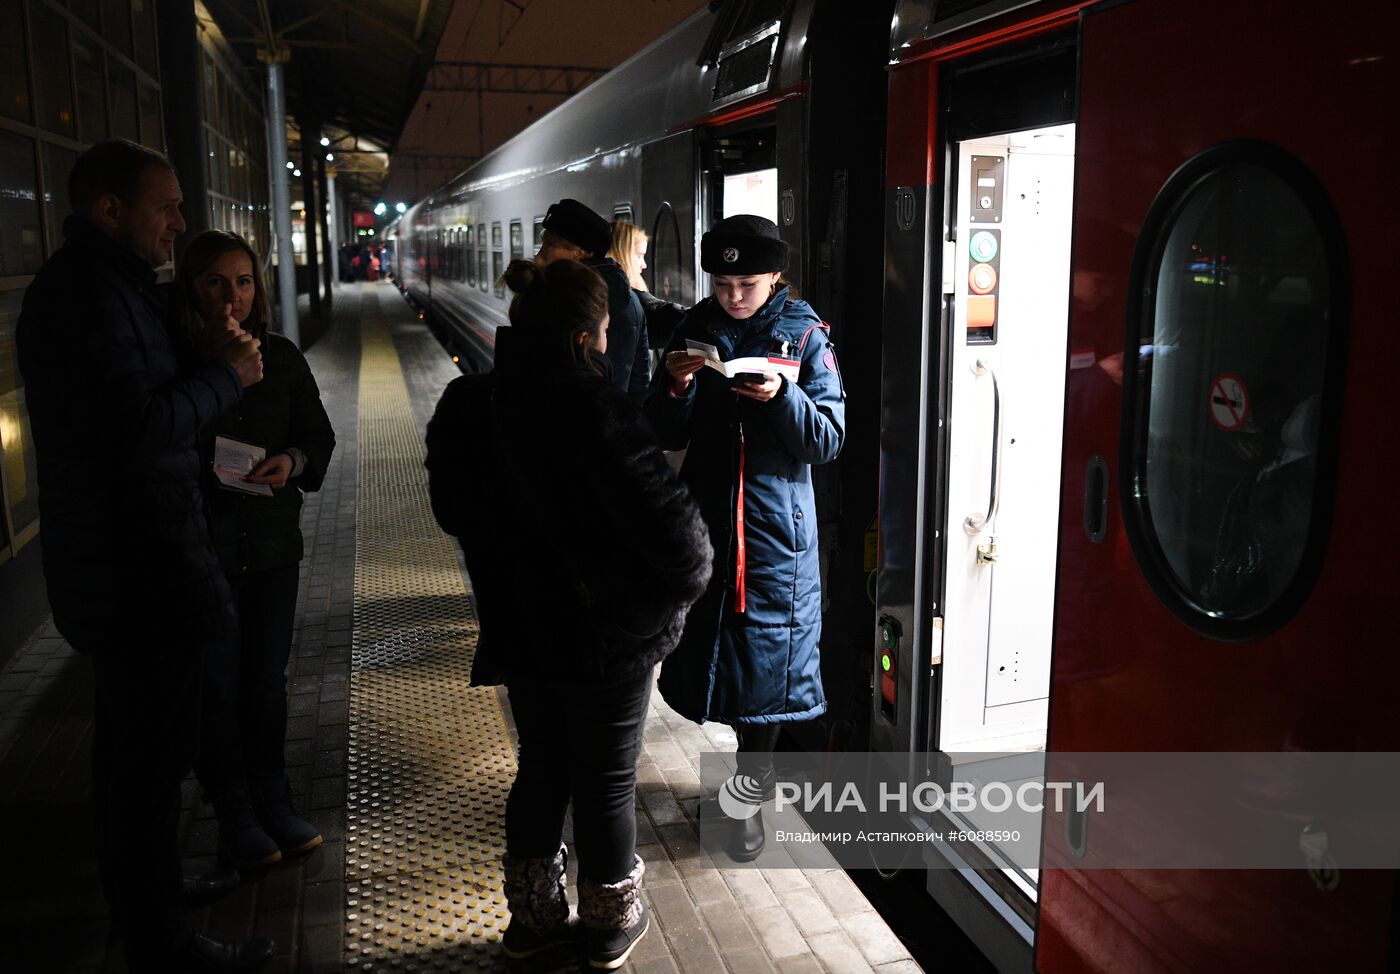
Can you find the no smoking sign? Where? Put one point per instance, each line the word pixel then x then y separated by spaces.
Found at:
pixel 1229 402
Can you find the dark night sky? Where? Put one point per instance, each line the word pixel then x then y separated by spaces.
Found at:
pixel 575 32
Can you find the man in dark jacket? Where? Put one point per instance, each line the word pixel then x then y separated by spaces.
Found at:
pixel 573 231
pixel 115 405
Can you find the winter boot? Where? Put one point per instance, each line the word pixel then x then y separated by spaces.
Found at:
pixel 615 917
pixel 292 833
pixel 242 841
pixel 539 910
pixel 736 815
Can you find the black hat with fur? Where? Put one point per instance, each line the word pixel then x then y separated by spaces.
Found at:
pixel 743 245
pixel 580 226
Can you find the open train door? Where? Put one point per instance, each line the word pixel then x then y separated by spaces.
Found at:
pixel 1232 347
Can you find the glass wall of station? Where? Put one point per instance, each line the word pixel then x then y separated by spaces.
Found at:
pixel 71 73
pixel 235 130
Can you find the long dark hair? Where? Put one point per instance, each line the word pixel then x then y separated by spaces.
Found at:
pixel 556 305
pixel 202 251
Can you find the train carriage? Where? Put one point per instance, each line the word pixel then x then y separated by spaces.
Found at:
pixel 1108 285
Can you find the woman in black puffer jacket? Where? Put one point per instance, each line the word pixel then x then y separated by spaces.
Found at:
pixel 258 538
pixel 585 553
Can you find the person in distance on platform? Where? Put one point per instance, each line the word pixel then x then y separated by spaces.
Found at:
pixel 584 553
pixel 258 540
pixel 749 656
pixel 629 249
pixel 571 231
pixel 116 403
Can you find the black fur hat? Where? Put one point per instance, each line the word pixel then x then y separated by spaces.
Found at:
pixel 580 226
pixel 743 245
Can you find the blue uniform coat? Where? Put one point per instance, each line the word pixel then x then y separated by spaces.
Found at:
pixel 762 665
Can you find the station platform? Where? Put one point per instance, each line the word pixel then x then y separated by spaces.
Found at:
pixel 402 765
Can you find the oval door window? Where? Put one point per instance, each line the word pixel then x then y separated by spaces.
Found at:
pixel 1242 272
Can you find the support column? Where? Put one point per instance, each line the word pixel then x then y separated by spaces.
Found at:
pixel 281 199
pixel 328 265
pixel 183 111
pixel 333 218
pixel 310 153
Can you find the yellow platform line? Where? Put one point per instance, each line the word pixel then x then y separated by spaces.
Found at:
pixel 430 758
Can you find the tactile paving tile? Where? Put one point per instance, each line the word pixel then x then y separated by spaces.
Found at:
pixel 430 757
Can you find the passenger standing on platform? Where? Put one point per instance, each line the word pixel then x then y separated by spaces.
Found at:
pixel 574 232
pixel 116 403
pixel 749 656
pixel 629 249
pixel 258 539
pixel 585 553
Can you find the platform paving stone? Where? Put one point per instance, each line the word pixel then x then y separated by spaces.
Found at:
pixel 709 917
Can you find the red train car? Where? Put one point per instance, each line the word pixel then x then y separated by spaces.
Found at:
pixel 1138 322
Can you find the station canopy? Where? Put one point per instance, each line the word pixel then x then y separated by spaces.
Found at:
pixel 352 68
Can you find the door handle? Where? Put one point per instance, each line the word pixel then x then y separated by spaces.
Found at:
pixel 974 523
pixel 1096 498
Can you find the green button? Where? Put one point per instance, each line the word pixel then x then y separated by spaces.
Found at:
pixel 983 246
pixel 885 663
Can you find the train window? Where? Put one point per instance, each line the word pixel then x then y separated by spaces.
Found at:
pixel 482 277
pixel 517 240
pixel 736 22
pixel 1242 270
pixel 664 263
pixel 538 234
pixel 498 265
pixel 471 257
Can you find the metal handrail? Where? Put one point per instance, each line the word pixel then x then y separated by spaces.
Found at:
pixel 975 523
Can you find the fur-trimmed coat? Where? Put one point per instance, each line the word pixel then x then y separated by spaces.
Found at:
pixel 584 550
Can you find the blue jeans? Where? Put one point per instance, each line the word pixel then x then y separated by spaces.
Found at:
pixel 579 744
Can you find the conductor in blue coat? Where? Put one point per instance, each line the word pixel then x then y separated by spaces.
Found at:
pixel 749 656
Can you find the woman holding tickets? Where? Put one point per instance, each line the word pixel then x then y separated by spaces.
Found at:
pixel 258 539
pixel 749 654
pixel 584 552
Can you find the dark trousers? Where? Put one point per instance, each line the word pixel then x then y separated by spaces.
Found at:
pixel 145 736
pixel 244 730
pixel 755 754
pixel 580 744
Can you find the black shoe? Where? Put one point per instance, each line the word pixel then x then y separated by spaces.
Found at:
pixel 609 949
pixel 207 954
pixel 207 887
pixel 745 837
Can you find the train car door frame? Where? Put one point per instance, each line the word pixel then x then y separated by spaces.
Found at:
pixel 1022 86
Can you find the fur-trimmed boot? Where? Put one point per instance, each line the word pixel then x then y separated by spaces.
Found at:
pixel 539 909
pixel 615 917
